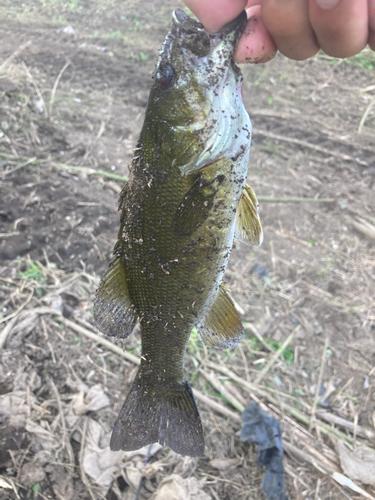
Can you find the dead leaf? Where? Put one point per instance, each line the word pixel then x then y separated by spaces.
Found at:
pixel 94 400
pixel 101 464
pixel 46 439
pixel 364 227
pixel 14 409
pixel 358 465
pixel 32 473
pixel 4 484
pixel 23 323
pixel 133 474
pixel 151 469
pixel 224 463
pixel 176 488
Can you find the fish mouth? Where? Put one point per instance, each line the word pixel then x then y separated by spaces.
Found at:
pixel 204 61
pixel 192 35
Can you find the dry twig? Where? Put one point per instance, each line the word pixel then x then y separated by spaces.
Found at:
pixel 14 55
pixel 276 355
pixel 100 340
pixel 365 115
pixel 55 88
pixel 320 379
pixel 305 144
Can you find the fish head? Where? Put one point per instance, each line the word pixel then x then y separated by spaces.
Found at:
pixel 195 103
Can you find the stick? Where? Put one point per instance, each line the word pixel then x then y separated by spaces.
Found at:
pixel 305 144
pixel 14 55
pixel 365 115
pixel 88 170
pixel 36 88
pixel 215 382
pixel 101 340
pixel 217 406
pixel 320 378
pixel 66 439
pixel 294 199
pixel 19 309
pixel 276 356
pixel 295 412
pixel 30 160
pixel 251 327
pixel 55 88
pixel 292 238
pixel 342 422
pixel 98 136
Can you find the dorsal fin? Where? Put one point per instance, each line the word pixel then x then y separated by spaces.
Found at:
pixel 248 227
pixel 114 313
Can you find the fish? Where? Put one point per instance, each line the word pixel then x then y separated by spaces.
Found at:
pixel 185 200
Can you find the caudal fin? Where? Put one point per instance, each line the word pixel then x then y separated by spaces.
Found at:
pixel 163 413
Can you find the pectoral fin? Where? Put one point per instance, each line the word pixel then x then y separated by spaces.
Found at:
pixel 248 227
pixel 196 205
pixel 114 313
pixel 222 327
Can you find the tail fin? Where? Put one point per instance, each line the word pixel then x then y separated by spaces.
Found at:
pixel 164 413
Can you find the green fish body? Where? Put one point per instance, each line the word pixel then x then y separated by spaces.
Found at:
pixel 185 200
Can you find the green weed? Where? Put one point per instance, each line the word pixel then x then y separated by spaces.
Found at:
pixel 68 4
pixel 34 272
pixel 116 34
pixel 141 57
pixel 288 353
pixel 330 263
pixel 36 490
pixel 365 59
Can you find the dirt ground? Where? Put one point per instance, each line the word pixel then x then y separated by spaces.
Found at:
pixel 74 83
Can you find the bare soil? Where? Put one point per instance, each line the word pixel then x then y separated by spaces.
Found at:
pixel 313 137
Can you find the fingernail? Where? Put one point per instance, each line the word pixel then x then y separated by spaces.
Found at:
pixel 327 4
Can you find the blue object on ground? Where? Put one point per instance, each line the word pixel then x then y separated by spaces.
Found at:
pixel 258 427
pixel 259 271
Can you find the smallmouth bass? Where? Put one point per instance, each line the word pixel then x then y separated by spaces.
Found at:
pixel 185 200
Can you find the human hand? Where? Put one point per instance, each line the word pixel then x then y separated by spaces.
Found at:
pixel 297 28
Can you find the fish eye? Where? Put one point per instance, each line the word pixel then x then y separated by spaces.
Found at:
pixel 166 76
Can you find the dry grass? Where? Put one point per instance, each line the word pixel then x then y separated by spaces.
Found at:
pixel 50 414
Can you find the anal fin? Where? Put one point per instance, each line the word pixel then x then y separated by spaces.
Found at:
pixel 114 313
pixel 248 227
pixel 222 327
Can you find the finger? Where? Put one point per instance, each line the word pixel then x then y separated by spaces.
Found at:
pixel 255 44
pixel 371 23
pixel 289 25
pixel 216 13
pixel 342 30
